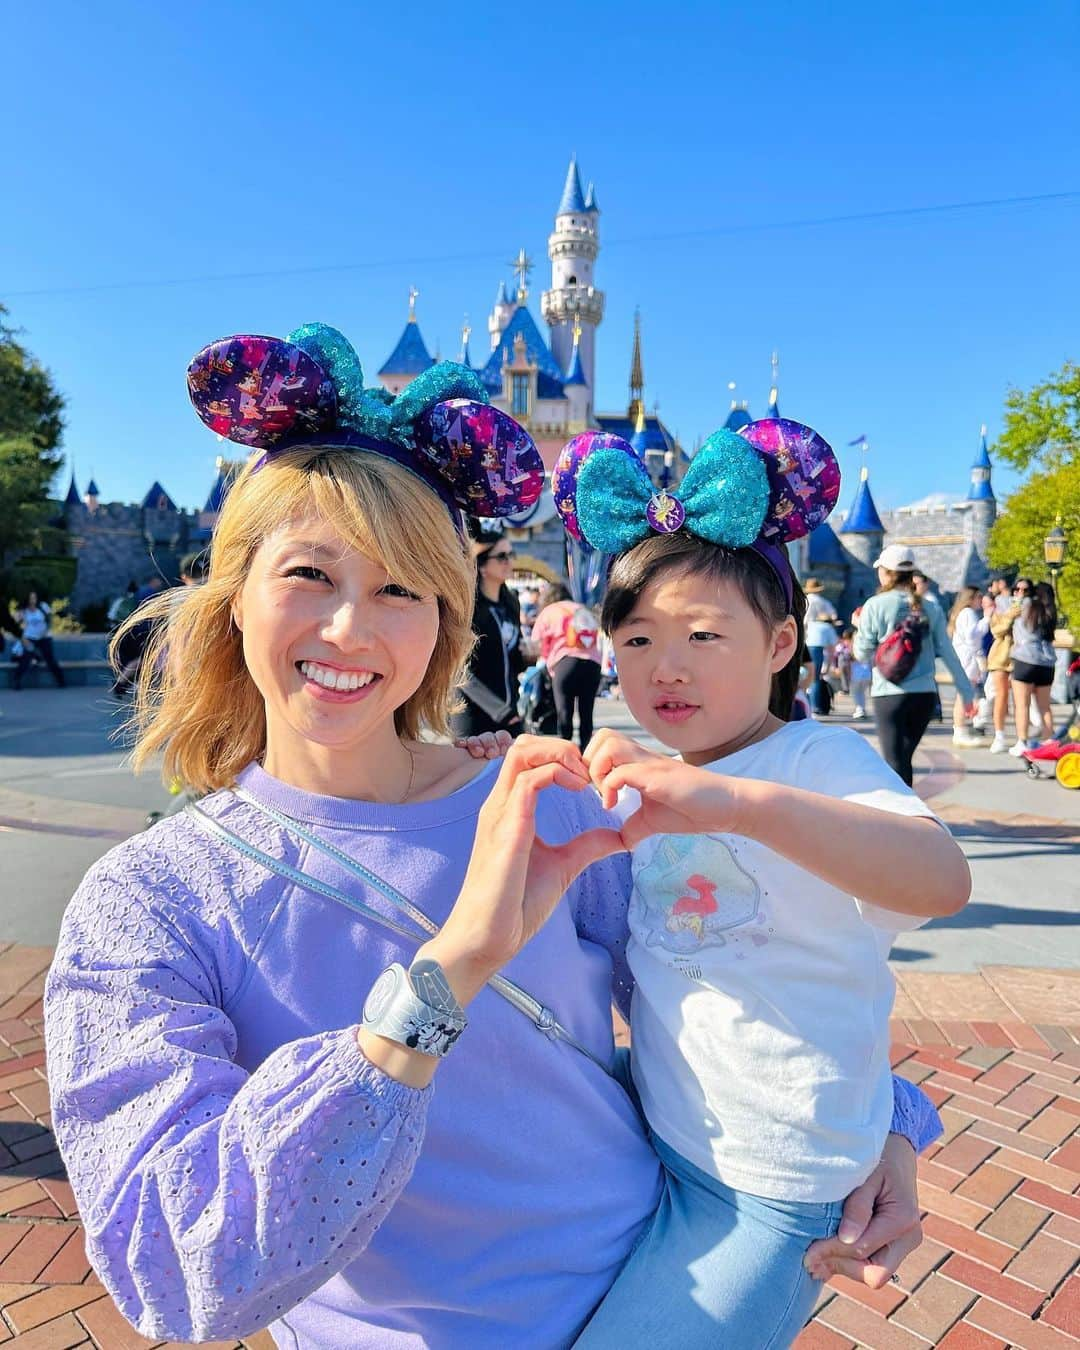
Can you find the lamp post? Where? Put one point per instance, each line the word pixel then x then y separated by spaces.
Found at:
pixel 1055 546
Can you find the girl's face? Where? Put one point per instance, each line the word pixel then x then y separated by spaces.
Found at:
pixel 333 644
pixel 696 665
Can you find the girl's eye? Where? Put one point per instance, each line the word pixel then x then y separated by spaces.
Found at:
pixel 398 592
pixel 701 636
pixel 638 641
pixel 307 573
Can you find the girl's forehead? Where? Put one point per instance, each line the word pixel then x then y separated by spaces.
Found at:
pixel 692 590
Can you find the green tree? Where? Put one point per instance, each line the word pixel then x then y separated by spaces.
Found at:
pixel 1042 438
pixel 31 427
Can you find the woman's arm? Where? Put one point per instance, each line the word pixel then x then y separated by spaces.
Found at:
pixel 213 1199
pixel 867 636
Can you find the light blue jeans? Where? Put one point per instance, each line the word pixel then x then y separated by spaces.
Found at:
pixel 716 1269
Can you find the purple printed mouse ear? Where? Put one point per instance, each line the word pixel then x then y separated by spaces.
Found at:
pixel 564 476
pixel 258 390
pixel 489 461
pixel 804 477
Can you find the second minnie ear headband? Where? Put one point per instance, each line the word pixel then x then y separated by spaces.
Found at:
pixel 273 394
pixel 762 487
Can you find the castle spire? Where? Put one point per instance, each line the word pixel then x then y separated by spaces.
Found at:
pixel 637 373
pixel 863 517
pixel 576 374
pixel 72 498
pixel 522 265
pixel 413 297
pixel 466 331
pixel 981 489
pixel 572 199
pixel 774 391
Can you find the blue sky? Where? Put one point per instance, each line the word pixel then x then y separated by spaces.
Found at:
pixel 383 147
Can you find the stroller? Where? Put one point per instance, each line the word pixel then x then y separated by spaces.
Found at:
pixel 1061 756
pixel 536 702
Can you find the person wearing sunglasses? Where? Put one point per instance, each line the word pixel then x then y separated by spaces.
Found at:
pixel 491 685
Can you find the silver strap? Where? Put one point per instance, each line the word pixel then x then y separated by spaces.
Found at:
pixel 541 1017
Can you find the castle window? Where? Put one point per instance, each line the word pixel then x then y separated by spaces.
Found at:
pixel 520 400
pixel 571 281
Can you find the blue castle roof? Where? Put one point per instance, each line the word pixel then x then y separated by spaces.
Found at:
pixel 823 547
pixel 549 379
pixel 863 517
pixel 980 490
pixel 736 419
pixel 157 499
pixel 572 198
pixel 410 356
pixel 501 297
pixel 656 435
pixel 72 498
pixel 92 489
pixel 774 403
pixel 577 373
pixel 591 204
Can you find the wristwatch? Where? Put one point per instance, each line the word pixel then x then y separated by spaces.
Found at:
pixel 415 1007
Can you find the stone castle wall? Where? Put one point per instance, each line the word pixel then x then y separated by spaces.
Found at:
pixel 116 544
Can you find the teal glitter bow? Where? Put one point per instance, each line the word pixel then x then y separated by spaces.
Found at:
pixel 376 412
pixel 724 497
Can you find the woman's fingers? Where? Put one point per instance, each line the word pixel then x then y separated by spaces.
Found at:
pixel 530 752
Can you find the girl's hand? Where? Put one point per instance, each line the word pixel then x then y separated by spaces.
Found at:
pixel 676 798
pixel 488 745
pixel 515 880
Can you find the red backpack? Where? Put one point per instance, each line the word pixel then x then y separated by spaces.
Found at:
pixel 897 652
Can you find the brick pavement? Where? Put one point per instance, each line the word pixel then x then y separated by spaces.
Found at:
pixel 999 1052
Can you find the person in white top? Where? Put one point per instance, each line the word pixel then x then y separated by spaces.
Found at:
pixel 773 863
pixel 37 645
pixel 967 627
pixel 820 623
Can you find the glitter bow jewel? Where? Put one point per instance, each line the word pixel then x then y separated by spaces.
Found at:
pixel 773 481
pixel 273 394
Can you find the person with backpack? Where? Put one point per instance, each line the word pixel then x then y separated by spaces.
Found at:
pixel 568 638
pixel 904 635
pixel 1033 656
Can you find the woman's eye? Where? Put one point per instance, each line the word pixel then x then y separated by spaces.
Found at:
pixel 398 592
pixel 307 573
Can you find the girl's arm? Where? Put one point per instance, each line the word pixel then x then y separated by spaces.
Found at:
pixel 912 866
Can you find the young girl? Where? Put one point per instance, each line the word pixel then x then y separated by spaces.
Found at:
pixel 773 862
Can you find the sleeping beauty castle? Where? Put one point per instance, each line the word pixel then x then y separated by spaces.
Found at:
pixel 545 377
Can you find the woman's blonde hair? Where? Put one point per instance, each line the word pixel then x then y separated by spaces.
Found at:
pixel 195 701
pixel 965 597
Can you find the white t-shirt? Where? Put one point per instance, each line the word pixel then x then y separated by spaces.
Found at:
pixel 760 1016
pixel 820 615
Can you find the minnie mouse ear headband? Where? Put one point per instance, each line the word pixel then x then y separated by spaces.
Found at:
pixel 275 394
pixel 771 482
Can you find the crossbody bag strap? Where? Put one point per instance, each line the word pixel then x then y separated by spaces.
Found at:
pixel 541 1017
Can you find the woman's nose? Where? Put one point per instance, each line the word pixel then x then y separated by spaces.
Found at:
pixel 349 625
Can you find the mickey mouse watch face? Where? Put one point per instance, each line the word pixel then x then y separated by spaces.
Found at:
pixel 396 1011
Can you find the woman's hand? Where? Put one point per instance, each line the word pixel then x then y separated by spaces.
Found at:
pixel 880 1226
pixel 676 798
pixel 488 745
pixel 515 880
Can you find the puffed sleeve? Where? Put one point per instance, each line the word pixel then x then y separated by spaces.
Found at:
pixel 213 1199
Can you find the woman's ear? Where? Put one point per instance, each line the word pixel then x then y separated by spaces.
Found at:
pixel 236 612
pixel 785 636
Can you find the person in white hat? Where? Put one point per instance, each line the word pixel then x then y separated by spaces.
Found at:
pixel 902 710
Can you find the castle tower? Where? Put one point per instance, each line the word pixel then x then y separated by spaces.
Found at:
pixel 983 510
pixel 92 498
pixel 862 530
pixel 73 498
pixel 577 390
pixel 500 316
pixel 466 332
pixel 409 358
pixel 573 249
pixel 774 391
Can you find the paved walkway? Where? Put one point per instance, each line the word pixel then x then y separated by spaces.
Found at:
pixel 987 1020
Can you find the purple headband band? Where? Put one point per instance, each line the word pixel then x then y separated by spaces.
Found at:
pixel 777 560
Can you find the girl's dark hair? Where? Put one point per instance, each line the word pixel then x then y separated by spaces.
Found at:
pixel 1042 612
pixel 759 585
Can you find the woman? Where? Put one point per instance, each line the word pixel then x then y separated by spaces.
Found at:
pixel 568 637
pixel 35 617
pixel 490 687
pixel 903 711
pixel 966 628
pixel 1033 659
pixel 999 657
pixel 242 1151
pixel 820 639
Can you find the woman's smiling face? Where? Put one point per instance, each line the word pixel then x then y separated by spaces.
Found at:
pixel 333 644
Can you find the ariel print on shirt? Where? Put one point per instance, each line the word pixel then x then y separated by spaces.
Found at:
pixel 693 894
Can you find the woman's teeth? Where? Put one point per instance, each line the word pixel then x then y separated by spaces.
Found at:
pixel 336 679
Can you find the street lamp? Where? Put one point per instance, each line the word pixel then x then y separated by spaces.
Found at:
pixel 1055 546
